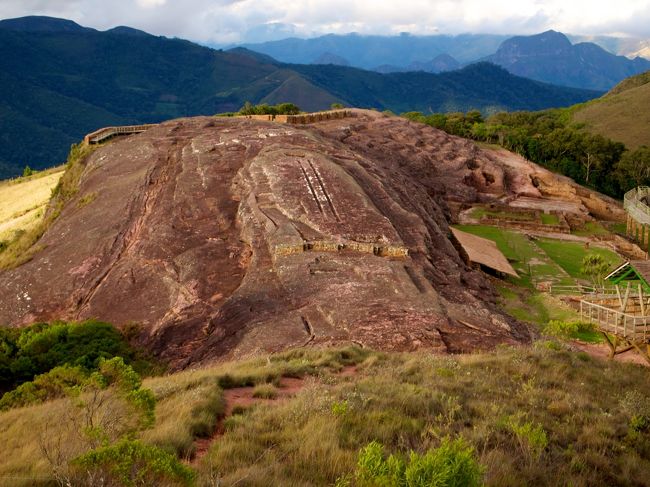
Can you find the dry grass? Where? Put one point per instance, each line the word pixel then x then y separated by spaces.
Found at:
pixel 23 201
pixel 496 401
pixel 24 244
pixel 624 116
pixel 502 403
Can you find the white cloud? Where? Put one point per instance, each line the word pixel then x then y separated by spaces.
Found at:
pixel 231 20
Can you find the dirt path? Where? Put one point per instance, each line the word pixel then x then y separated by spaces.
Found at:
pixel 601 351
pixel 242 397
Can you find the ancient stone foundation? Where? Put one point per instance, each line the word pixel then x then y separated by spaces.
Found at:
pixel 328 246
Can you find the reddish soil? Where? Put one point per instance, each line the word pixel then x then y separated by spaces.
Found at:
pixel 198 228
pixel 243 397
pixel 601 351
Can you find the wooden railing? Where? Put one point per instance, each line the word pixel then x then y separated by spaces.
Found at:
pixel 105 133
pixel 630 326
pixel 636 208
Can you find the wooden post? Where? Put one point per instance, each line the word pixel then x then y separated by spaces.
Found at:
pixel 641 300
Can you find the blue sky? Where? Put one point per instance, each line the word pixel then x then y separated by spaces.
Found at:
pixel 231 21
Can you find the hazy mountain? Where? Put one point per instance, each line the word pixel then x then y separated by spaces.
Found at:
pixel 439 64
pixel 368 52
pixel 550 57
pixel 329 58
pixel 59 81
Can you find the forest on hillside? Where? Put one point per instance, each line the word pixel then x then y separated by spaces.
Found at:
pixel 550 139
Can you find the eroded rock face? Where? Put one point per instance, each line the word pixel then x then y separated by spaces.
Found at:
pixel 227 237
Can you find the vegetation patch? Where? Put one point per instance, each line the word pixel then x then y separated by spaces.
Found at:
pixel 534 416
pixel 23 246
pixel 48 360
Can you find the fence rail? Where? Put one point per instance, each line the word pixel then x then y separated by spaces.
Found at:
pixel 636 208
pixel 633 327
pixel 102 134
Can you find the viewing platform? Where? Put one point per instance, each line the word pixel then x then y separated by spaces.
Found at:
pixel 99 136
pixel 623 317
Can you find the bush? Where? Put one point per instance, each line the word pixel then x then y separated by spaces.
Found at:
pixel 51 385
pixel 130 463
pixel 265 391
pixel 531 438
pixel 453 463
pixel 35 351
pixel 562 329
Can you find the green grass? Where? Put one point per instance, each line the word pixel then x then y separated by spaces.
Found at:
pixel 479 213
pixel 569 255
pixel 529 260
pixel 620 228
pixel 550 219
pixel 592 229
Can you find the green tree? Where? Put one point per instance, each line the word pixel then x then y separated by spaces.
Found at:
pixel 595 267
pixel 634 168
pixel 27 171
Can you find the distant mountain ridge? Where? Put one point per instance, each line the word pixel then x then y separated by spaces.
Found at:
pixel 60 80
pixel 550 57
pixel 369 52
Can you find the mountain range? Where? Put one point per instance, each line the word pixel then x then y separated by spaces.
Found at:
pixel 549 56
pixel 61 80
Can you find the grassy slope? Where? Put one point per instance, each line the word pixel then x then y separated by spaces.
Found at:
pixel 22 201
pixel 405 401
pixel 622 115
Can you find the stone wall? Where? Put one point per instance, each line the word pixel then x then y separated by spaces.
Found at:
pixel 329 246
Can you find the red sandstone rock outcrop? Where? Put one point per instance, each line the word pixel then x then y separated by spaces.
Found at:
pixel 226 237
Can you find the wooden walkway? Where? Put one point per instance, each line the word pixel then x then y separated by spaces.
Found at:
pixel 99 136
pixel 626 328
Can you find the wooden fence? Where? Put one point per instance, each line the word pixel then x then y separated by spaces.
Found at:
pixel 631 324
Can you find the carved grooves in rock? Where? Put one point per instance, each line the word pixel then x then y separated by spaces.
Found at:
pixel 327 196
pixel 311 188
pixel 309 329
pixel 127 238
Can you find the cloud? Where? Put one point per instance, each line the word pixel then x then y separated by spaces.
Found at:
pixel 223 21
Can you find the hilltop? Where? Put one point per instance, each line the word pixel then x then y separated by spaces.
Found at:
pixel 552 58
pixel 61 80
pixel 344 237
pixel 623 114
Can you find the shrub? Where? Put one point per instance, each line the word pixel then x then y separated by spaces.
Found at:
pixel 55 383
pixel 265 391
pixel 453 463
pixel 562 329
pixel 531 438
pixel 34 351
pixel 27 172
pixel 130 463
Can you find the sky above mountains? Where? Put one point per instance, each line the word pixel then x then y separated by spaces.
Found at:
pixel 233 21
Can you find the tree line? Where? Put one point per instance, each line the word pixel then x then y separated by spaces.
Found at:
pixel 550 139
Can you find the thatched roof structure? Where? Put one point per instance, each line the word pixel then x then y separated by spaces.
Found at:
pixel 482 251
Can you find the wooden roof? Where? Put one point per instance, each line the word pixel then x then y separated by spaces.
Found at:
pixel 633 269
pixel 483 251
